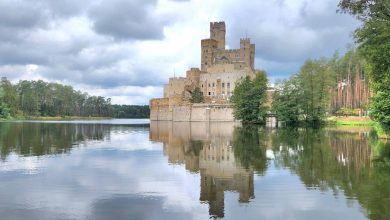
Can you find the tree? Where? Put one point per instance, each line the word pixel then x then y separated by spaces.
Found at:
pixel 197 95
pixel 316 83
pixel 39 98
pixel 373 38
pixel 249 98
pixel 287 100
pixel 306 95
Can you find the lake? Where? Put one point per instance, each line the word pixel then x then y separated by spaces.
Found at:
pixel 133 169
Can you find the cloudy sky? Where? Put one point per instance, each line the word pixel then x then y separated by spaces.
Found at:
pixel 126 49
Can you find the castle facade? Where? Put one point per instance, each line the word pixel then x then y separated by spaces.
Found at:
pixel 220 70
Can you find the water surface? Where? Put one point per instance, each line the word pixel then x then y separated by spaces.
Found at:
pixel 128 169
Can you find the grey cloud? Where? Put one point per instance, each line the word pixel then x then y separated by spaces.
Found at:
pixel 123 19
pixel 66 8
pixel 12 54
pixel 20 14
pixel 284 35
pixel 134 207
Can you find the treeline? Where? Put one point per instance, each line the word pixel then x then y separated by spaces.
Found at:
pixel 130 111
pixel 351 84
pixel 321 88
pixel 360 80
pixel 373 38
pixel 39 98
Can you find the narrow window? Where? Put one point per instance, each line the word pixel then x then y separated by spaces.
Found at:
pixel 223 85
pixel 209 93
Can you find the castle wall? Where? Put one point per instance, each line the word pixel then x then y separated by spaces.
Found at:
pixel 182 113
pixel 221 113
pixel 160 110
pixel 194 112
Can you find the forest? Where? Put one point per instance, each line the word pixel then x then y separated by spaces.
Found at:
pixel 28 99
pixel 324 87
pixel 355 84
pixel 130 111
pixel 39 98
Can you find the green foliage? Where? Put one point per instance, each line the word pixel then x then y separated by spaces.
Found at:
pixel 286 101
pixel 374 43
pixel 197 96
pixel 4 111
pixel 249 148
pixel 347 112
pixel 305 96
pixel 249 98
pixel 39 98
pixel 130 111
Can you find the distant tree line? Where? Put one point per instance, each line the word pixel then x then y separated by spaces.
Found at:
pixel 130 111
pixel 39 98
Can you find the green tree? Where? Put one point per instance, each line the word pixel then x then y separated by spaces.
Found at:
pixel 305 97
pixel 287 100
pixel 249 98
pixel 9 96
pixel 373 38
pixel 315 82
pixel 197 95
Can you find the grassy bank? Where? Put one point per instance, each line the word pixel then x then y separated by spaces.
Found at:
pixel 350 121
pixel 382 132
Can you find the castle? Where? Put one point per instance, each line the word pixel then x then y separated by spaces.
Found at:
pixel 220 70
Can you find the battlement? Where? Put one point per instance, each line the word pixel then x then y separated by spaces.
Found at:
pixel 208 41
pixel 218 32
pixel 245 42
pixel 232 51
pixel 193 73
pixel 217 24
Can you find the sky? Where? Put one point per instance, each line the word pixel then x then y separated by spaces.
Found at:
pixel 127 49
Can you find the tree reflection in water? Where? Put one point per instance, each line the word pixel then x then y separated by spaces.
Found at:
pixel 227 156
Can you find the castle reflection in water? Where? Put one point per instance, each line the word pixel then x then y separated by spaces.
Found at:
pixel 206 148
pixel 227 156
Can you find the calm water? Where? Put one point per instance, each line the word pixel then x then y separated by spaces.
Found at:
pixel 128 169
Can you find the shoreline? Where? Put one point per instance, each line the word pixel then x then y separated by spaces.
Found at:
pixel 56 118
pixel 356 122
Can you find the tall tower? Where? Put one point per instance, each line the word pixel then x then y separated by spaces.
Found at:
pixel 247 52
pixel 218 32
pixel 207 53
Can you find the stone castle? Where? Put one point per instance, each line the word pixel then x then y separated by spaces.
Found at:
pixel 220 70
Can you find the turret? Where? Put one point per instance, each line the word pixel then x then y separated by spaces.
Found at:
pixel 247 52
pixel 207 53
pixel 218 32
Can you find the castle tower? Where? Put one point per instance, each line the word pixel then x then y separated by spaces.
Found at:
pixel 218 32
pixel 207 52
pixel 247 52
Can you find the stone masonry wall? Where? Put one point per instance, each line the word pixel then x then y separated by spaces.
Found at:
pixel 194 113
